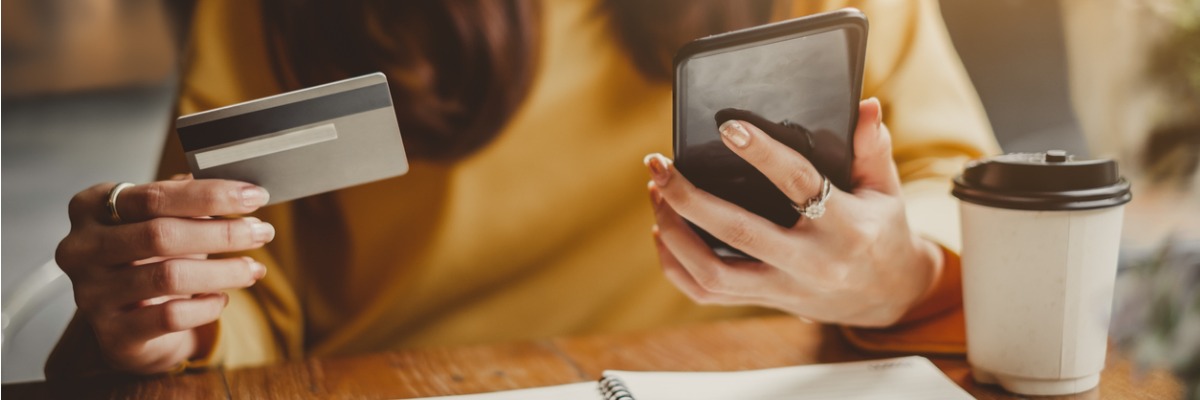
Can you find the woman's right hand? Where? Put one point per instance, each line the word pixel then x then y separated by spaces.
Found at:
pixel 146 285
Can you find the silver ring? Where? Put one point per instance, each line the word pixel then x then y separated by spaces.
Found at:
pixel 112 201
pixel 815 207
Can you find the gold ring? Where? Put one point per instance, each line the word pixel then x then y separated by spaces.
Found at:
pixel 815 207
pixel 112 201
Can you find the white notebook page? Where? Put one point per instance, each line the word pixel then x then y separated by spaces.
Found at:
pixel 901 378
pixel 896 378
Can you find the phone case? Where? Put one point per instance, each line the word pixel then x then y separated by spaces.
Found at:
pixel 720 171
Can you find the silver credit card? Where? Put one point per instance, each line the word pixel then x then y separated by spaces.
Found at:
pixel 300 143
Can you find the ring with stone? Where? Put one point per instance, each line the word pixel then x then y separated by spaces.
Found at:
pixel 815 207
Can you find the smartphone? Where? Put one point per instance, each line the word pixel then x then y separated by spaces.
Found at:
pixel 800 80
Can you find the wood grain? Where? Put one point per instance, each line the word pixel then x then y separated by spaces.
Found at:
pixel 197 386
pixel 409 373
pixel 720 346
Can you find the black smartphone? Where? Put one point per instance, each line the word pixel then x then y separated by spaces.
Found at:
pixel 800 80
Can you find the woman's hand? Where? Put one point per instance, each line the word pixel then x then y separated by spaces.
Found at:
pixel 859 264
pixel 145 285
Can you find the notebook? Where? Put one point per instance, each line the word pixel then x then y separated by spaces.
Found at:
pixel 894 378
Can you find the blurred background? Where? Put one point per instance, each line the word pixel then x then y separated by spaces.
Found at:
pixel 88 89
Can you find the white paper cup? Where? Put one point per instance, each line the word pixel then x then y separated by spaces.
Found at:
pixel 1039 258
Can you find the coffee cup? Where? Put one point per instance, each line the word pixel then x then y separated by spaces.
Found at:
pixel 1041 233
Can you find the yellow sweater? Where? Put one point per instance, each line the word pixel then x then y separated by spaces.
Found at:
pixel 546 231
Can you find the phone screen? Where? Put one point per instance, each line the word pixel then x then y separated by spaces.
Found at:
pixel 809 79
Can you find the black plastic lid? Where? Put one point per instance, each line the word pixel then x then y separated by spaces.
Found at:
pixel 1046 181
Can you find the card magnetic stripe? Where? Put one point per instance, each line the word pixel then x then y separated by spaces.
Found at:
pixel 279 118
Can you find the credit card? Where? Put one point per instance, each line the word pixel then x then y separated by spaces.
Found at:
pixel 300 143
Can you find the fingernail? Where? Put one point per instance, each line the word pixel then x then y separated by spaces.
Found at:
pixel 735 132
pixel 226 296
pixel 878 113
pixel 660 168
pixel 258 269
pixel 254 197
pixel 261 232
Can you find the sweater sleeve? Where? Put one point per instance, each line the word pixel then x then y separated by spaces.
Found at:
pixel 936 119
pixel 937 125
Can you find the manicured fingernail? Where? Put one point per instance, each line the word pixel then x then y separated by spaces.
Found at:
pixel 660 168
pixel 254 196
pixel 258 269
pixel 878 113
pixel 736 133
pixel 261 232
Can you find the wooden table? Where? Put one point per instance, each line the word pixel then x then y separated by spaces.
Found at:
pixel 728 345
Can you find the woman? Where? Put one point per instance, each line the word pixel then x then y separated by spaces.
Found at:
pixel 523 214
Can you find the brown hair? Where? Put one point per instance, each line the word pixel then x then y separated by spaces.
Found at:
pixel 460 68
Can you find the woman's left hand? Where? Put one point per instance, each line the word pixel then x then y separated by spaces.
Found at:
pixel 860 264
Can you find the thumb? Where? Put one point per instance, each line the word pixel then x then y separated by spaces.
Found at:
pixel 874 168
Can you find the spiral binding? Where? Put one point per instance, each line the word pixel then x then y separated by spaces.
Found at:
pixel 613 389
